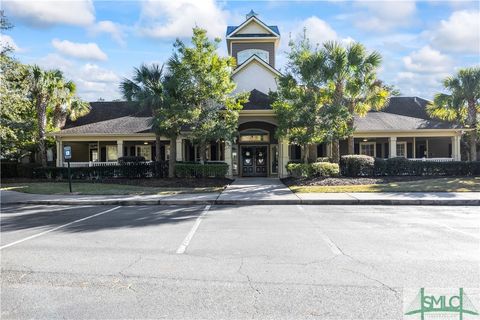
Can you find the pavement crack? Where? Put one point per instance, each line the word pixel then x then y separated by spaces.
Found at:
pixel 396 293
pixel 256 291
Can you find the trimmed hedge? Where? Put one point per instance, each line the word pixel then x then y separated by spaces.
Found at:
pixel 325 169
pixel 157 169
pixel 360 165
pixel 405 167
pixel 323 159
pixel 198 170
pixel 357 165
pixel 307 170
pixel 17 170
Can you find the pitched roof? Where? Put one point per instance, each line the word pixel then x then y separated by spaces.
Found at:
pixel 122 125
pixel 101 111
pixel 384 121
pixel 408 106
pixel 258 101
pixel 274 29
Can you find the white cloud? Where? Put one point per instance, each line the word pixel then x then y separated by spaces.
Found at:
pixel 171 19
pixel 317 30
pixel 383 15
pixel 92 72
pixel 427 60
pixel 460 33
pixel 46 12
pixel 114 29
pixel 93 82
pixel 79 50
pixel 7 41
pixel 422 72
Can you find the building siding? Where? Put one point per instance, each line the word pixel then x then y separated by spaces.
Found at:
pixel 267 46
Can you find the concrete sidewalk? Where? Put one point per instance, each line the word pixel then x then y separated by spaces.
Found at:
pixel 253 191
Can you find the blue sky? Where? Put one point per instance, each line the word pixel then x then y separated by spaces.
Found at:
pixel 97 43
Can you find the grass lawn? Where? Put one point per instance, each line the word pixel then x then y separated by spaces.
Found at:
pixel 455 184
pixel 97 188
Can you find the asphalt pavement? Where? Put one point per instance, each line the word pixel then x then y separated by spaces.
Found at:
pixel 231 262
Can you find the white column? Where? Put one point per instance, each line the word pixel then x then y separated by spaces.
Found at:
pixel 119 148
pixel 392 143
pixel 179 149
pixel 329 149
pixel 456 155
pixel 414 153
pixel 59 153
pixel 228 158
pixel 283 158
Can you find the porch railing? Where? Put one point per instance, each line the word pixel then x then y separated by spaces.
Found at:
pixel 431 159
pixel 90 164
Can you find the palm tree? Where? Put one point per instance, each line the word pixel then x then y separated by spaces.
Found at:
pixel 41 88
pixel 351 72
pixel 155 91
pixel 462 104
pixel 65 103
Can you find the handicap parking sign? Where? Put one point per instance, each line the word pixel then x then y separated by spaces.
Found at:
pixel 67 152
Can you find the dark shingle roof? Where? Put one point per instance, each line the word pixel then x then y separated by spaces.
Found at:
pixel 384 121
pixel 408 106
pixel 101 111
pixel 258 101
pixel 122 125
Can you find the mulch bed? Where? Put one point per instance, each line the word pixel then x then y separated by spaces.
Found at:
pixel 347 181
pixel 157 183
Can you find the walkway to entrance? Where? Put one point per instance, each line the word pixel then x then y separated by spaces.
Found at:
pixel 257 189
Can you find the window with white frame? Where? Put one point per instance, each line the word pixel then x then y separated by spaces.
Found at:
pixel 243 55
pixel 112 154
pixel 402 149
pixel 367 148
pixel 144 151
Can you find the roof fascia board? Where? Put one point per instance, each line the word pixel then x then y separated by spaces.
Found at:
pixel 256 58
pixel 246 22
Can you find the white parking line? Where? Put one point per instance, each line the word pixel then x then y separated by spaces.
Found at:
pixel 332 246
pixel 476 236
pixel 189 236
pixel 56 228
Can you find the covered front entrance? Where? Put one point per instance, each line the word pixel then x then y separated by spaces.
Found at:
pixel 254 161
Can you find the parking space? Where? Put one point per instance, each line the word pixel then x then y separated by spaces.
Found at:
pixel 237 262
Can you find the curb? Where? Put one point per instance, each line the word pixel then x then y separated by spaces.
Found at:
pixel 411 202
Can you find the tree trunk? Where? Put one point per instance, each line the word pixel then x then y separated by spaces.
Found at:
pixel 203 151
pixel 306 153
pixel 472 141
pixel 472 122
pixel 42 127
pixel 173 157
pixel 335 151
pixel 158 153
pixel 351 145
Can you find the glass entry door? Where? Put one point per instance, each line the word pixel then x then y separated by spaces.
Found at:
pixel 254 161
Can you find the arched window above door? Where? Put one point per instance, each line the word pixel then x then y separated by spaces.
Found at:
pixel 243 55
pixel 254 135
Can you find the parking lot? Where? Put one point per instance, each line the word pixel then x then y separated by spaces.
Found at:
pixel 235 262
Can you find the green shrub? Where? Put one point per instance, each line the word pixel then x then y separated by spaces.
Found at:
pixel 357 165
pixel 405 167
pixel 324 159
pixel 197 170
pixel 158 169
pixel 298 170
pixel 11 169
pixel 307 170
pixel 325 169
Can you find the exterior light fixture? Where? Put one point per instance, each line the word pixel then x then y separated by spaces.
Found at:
pixel 145 142
pixel 365 140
